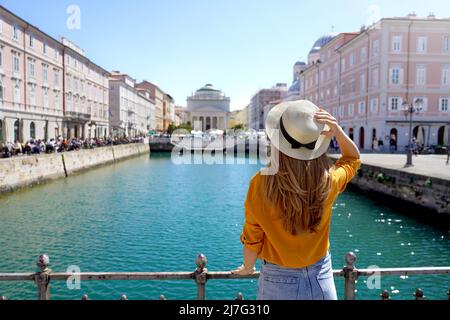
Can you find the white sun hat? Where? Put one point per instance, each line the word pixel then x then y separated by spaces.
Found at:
pixel 292 129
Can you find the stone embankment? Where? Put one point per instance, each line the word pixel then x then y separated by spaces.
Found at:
pixel 25 171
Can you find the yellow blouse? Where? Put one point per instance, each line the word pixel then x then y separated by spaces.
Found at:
pixel 264 234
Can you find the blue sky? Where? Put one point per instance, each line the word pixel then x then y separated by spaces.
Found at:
pixel 239 46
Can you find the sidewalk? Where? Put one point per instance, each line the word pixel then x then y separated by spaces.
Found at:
pixel 432 165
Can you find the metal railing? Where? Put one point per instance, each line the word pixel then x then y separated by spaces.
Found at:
pixel 201 275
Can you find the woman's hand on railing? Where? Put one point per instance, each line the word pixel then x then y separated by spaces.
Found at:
pixel 244 271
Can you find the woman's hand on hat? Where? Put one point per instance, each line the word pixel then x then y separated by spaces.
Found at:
pixel 325 117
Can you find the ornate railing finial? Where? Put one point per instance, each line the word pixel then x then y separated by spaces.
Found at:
pixel 201 261
pixel 350 260
pixel 43 261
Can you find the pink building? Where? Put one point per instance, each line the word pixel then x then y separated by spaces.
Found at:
pixel 48 88
pixel 31 81
pixel 86 101
pixel 364 78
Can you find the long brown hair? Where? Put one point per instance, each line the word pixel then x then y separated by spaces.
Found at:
pixel 300 189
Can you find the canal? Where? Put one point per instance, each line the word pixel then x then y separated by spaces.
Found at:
pixel 148 214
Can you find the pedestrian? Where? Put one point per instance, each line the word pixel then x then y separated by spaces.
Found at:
pixel 393 144
pixel 288 212
pixel 375 145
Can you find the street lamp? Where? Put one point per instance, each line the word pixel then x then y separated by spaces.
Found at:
pixel 409 109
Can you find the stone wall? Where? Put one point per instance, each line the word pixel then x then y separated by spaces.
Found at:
pixel 428 193
pixel 26 171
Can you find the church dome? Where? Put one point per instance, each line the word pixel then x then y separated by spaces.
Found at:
pixel 208 88
pixel 323 40
pixel 295 87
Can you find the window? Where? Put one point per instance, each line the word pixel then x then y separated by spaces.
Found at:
pixel 15 32
pixel 447 44
pixel 361 107
pixel 351 108
pixel 56 100
pixel 56 78
pixel 45 73
pixel 32 95
pixel 396 75
pixel 55 54
pixel 1 90
pixel 376 47
pixel 343 64
pixel 443 104
pixel 341 111
pixel 373 105
pixel 395 103
pixel 1 25
pixel 336 69
pixel 363 82
pixel 422 44
pixel 446 76
pixel 352 85
pixel 44 48
pixel 46 98
pixel 16 92
pixel 396 43
pixel 424 103
pixel 31 40
pixel 363 54
pixel 352 59
pixel 328 73
pixel 16 63
pixel 32 130
pixel 375 78
pixel 32 67
pixel 1 58
pixel 421 75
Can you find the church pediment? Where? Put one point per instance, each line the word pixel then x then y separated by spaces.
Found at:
pixel 208 109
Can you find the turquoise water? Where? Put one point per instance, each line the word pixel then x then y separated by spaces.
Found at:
pixel 147 214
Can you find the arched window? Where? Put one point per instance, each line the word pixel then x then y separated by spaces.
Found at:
pixel 16 130
pixel 32 130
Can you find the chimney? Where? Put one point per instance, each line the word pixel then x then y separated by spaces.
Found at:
pixel 412 15
pixel 431 16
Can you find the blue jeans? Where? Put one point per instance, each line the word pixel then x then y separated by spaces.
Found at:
pixel 314 282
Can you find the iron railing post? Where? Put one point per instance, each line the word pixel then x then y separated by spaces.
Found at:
pixel 350 276
pixel 200 275
pixel 385 295
pixel 42 277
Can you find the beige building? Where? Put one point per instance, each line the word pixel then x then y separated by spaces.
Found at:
pixel 238 117
pixel 132 110
pixel 255 114
pixel 161 102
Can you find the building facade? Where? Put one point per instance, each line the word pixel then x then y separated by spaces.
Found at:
pixel 209 109
pixel 86 103
pixel 238 117
pixel 161 103
pixel 48 88
pixel 31 81
pixel 182 114
pixel 365 78
pixel 132 110
pixel 259 102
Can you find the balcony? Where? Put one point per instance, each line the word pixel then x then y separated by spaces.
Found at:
pixel 77 116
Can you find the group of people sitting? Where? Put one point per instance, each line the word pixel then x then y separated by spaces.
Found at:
pixel 37 146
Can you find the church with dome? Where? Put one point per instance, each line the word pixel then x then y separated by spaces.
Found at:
pixel 313 56
pixel 209 109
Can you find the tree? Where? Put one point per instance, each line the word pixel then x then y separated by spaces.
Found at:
pixel 238 126
pixel 185 126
